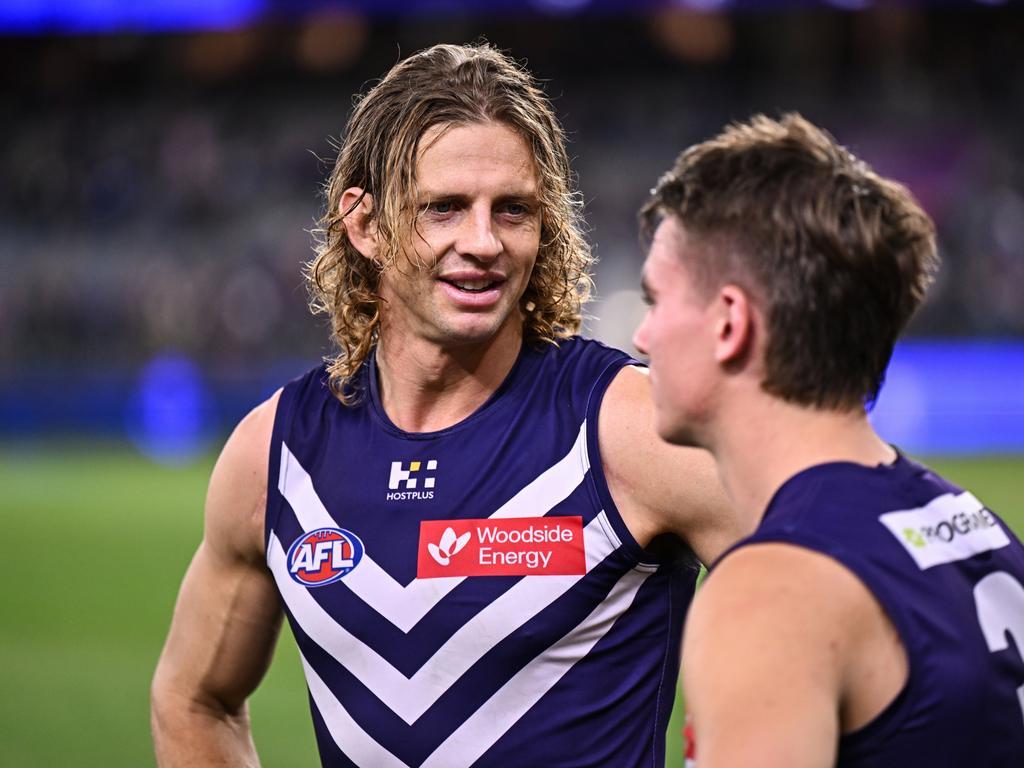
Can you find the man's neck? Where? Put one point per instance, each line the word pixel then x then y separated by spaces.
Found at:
pixel 425 387
pixel 761 446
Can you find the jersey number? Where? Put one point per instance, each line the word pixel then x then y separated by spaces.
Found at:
pixel 999 599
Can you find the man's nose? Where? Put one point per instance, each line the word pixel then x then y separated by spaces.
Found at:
pixel 477 237
pixel 640 336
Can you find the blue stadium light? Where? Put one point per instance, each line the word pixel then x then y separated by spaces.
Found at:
pixel 117 16
pixel 954 397
pixel 90 16
pixel 561 6
pixel 169 419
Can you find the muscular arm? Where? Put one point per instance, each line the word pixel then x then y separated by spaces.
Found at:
pixel 660 488
pixel 226 619
pixel 784 650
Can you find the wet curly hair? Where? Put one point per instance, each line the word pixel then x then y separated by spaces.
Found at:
pixel 445 85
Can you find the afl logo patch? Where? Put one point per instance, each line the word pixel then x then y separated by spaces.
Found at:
pixel 323 556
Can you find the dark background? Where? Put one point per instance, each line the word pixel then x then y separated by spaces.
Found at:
pixel 160 177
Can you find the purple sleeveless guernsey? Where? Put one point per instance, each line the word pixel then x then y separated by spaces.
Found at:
pixel 471 597
pixel 950 575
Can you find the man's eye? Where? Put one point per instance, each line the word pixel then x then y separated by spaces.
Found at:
pixel 517 209
pixel 443 206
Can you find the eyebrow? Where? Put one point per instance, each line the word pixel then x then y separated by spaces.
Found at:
pixel 427 196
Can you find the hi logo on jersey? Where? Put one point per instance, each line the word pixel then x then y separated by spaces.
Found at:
pixel 403 483
pixel 323 556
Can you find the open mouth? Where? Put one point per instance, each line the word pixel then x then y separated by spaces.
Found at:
pixel 472 286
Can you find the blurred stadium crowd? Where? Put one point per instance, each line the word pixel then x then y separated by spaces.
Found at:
pixel 158 190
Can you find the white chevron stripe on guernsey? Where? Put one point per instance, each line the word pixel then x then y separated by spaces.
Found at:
pixel 499 713
pixel 553 485
pixel 409 698
pixel 405 606
pixel 359 746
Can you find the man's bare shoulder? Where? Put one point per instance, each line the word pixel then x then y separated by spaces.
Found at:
pixel 237 495
pixel 626 433
pixel 792 614
pixel 771 641
pixel 779 613
pixel 627 410
pixel 660 488
pixel 771 580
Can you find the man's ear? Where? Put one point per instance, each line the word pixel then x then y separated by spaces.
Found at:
pixel 734 325
pixel 355 206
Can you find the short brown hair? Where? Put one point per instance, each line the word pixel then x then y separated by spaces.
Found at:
pixel 840 257
pixel 445 85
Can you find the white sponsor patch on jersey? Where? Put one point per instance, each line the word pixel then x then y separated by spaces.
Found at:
pixel 950 527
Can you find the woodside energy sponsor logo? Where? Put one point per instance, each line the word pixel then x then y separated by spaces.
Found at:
pixel 504 547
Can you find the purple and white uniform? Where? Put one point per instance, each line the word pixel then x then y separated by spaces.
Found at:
pixel 471 596
pixel 950 576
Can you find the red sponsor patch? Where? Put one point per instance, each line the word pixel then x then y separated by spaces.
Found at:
pixel 551 546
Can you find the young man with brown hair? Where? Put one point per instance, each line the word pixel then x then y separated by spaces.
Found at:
pixel 466 516
pixel 876 616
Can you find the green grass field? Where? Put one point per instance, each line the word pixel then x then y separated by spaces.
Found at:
pixel 97 541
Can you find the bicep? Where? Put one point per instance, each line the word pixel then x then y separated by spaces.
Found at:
pixel 763 661
pixel 228 614
pixel 223 632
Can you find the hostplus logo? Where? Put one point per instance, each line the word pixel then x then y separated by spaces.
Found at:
pixel 404 483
